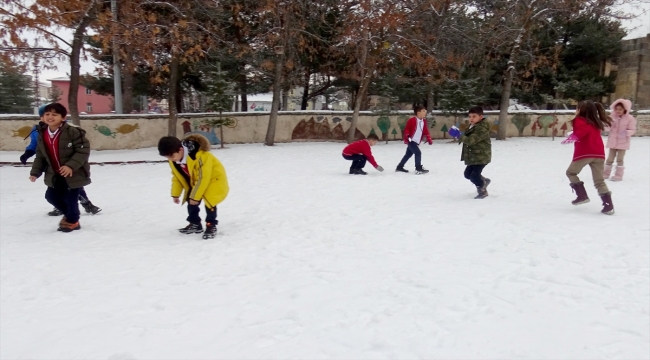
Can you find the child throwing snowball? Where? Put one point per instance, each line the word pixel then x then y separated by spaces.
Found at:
pixel 359 152
pixel 589 149
pixel 200 175
pixel 618 141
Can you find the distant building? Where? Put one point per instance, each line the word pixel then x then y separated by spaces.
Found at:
pixel 632 72
pixel 88 101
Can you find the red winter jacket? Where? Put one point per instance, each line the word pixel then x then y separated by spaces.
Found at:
pixel 360 147
pixel 590 142
pixel 411 127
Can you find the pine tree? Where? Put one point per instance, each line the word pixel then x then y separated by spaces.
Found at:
pixel 16 93
pixel 220 94
pixel 457 96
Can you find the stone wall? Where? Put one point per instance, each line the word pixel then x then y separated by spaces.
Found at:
pixel 633 77
pixel 112 132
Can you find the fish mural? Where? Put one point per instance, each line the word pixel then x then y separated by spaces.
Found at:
pixel 23 132
pixel 104 130
pixel 201 129
pixel 127 128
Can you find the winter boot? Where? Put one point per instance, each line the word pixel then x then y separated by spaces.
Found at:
pixel 90 208
pixel 210 231
pixel 482 193
pixel 401 169
pixel 421 170
pixel 55 212
pixel 607 171
pixel 65 226
pixel 608 206
pixel 192 229
pixel 618 176
pixel 579 189
pixel 360 172
pixel 352 171
pixel 486 183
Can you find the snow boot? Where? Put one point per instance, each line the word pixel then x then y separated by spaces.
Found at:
pixel 607 171
pixel 55 212
pixel 65 226
pixel 352 171
pixel 482 193
pixel 486 183
pixel 210 231
pixel 618 176
pixel 192 229
pixel 360 172
pixel 579 189
pixel 401 169
pixel 90 208
pixel 608 206
pixel 421 170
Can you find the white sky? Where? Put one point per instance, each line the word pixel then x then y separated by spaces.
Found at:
pixel 638 27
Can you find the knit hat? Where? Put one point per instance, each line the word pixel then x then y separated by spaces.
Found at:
pixel 41 110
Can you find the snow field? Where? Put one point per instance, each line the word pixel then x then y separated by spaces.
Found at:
pixel 310 262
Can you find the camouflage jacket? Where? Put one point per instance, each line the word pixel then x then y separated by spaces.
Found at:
pixel 477 147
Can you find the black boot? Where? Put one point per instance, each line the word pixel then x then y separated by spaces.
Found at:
pixel 360 172
pixel 55 212
pixel 401 169
pixel 579 189
pixel 420 170
pixel 482 193
pixel 210 231
pixel 90 208
pixel 608 206
pixel 486 182
pixel 192 229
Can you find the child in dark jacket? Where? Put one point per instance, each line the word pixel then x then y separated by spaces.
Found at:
pixel 359 152
pixel 415 131
pixel 30 151
pixel 62 154
pixel 589 149
pixel 477 150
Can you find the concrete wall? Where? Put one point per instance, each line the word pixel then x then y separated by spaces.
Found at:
pixel 111 132
pixel 633 77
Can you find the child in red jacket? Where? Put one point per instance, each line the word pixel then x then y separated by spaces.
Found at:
pixel 590 120
pixel 359 152
pixel 416 129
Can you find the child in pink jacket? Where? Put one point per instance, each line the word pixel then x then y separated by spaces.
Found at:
pixel 622 129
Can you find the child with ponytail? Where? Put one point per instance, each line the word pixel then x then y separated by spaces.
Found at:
pixel 622 128
pixel 589 149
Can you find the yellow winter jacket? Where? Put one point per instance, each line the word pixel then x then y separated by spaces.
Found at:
pixel 208 180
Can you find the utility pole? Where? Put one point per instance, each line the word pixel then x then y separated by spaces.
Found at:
pixel 117 75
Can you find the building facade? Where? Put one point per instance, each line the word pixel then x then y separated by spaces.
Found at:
pixel 633 72
pixel 88 101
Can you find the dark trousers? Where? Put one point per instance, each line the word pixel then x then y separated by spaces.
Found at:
pixel 83 198
pixel 64 199
pixel 412 149
pixel 194 218
pixel 473 174
pixel 358 161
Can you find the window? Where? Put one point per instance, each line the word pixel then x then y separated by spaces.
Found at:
pixel 89 107
pixel 88 91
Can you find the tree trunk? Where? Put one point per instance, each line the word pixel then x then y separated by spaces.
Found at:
pixel 127 86
pixel 180 106
pixel 75 64
pixel 275 105
pixel 305 91
pixel 173 92
pixel 243 88
pixel 361 94
pixel 285 97
pixel 507 89
pixel 430 101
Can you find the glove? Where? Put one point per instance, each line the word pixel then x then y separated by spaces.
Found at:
pixel 454 132
pixel 24 157
pixel 570 140
pixel 379 168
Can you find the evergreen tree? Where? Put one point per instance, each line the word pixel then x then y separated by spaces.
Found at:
pixel 16 92
pixel 457 96
pixel 220 96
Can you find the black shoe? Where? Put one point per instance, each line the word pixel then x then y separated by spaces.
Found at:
pixel 401 169
pixel 192 229
pixel 55 212
pixel 359 172
pixel 421 171
pixel 210 231
pixel 90 208
pixel 352 171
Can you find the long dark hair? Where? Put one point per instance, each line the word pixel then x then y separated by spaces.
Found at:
pixel 595 114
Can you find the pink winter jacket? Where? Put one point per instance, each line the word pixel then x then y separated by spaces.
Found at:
pixel 622 128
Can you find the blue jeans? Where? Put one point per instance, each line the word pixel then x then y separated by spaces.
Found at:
pixel 412 149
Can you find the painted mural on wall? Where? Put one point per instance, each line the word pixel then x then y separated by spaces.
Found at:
pixel 319 129
pixel 23 132
pixel 544 122
pixel 122 129
pixel 521 121
pixel 196 127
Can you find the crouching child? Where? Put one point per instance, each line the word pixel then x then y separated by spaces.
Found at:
pixel 198 176
pixel 62 153
pixel 477 149
pixel 359 152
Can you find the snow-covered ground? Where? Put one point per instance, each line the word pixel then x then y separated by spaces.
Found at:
pixel 310 262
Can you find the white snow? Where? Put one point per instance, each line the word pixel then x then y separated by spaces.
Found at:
pixel 310 262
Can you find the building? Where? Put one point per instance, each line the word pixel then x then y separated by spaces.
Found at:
pixel 88 101
pixel 633 72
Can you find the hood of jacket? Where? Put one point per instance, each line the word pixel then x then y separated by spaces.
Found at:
pixel 627 105
pixel 194 143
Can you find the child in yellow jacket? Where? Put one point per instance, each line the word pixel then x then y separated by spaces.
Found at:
pixel 200 175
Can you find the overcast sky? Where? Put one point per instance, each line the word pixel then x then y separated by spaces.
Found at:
pixel 637 28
